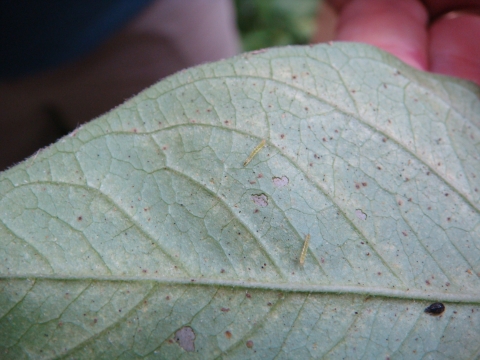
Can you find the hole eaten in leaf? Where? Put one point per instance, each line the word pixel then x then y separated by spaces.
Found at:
pixel 360 214
pixel 185 337
pixel 280 181
pixel 260 200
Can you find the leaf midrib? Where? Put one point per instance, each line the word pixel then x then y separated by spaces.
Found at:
pixel 460 297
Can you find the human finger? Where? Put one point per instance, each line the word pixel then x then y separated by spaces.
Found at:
pixel 454 46
pixel 398 27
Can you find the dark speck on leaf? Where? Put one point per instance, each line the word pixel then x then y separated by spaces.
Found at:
pixel 435 309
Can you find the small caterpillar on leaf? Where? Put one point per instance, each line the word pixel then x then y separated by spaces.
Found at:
pixel 303 254
pixel 255 152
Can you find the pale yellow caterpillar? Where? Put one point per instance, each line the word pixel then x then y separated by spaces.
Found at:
pixel 255 152
pixel 303 254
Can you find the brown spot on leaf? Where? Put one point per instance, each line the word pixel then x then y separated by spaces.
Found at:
pixel 228 334
pixel 225 309
pixel 249 344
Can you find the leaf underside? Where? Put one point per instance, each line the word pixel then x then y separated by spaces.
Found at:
pixel 142 235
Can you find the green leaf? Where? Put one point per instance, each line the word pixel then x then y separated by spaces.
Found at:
pixel 142 235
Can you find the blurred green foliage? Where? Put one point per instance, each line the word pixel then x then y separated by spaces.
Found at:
pixel 267 23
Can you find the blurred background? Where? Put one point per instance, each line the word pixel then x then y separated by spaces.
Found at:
pixel 63 64
pixel 267 23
